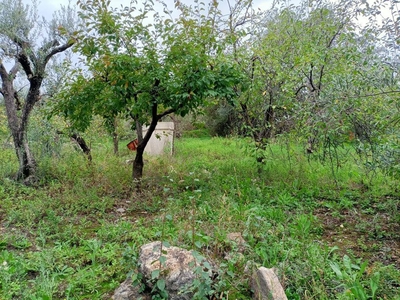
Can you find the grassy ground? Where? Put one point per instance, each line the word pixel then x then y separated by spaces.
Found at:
pixel 330 235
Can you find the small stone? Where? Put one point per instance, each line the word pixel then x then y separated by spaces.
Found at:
pixel 248 267
pixel 121 210
pixel 238 240
pixel 236 237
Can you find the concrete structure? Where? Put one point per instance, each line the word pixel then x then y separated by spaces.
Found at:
pixel 162 139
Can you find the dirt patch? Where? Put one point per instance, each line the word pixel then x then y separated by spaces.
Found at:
pixel 375 237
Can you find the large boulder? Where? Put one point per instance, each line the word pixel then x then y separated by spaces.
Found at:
pixel 175 265
pixel 266 286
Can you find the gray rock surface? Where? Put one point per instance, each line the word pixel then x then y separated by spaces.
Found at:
pixel 266 286
pixel 126 291
pixel 177 268
pixel 237 238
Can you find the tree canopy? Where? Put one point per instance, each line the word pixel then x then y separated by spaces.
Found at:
pixel 146 70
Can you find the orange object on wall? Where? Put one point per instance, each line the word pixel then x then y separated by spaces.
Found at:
pixel 133 145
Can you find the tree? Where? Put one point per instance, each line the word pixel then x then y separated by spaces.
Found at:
pixel 28 44
pixel 313 64
pixel 291 55
pixel 145 71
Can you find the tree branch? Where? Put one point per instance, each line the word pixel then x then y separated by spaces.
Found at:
pixel 19 42
pixel 166 112
pixel 299 89
pixel 311 78
pixel 370 95
pixel 330 43
pixel 56 50
pixel 48 45
pixel 26 65
pixel 14 70
pixel 3 71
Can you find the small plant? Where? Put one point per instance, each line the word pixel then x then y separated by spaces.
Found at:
pixel 159 292
pixel 201 287
pixel 353 279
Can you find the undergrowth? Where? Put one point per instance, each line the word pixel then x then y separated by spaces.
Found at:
pixel 77 235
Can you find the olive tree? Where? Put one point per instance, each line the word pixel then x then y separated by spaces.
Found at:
pixel 27 44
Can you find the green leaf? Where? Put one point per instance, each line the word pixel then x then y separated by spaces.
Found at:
pixel 334 266
pixel 161 284
pixel 162 259
pixel 155 274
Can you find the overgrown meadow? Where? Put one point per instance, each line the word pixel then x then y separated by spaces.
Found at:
pixel 331 233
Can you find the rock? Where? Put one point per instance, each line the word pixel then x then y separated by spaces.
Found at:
pixel 266 286
pixel 126 291
pixel 237 243
pixel 121 210
pixel 237 238
pixel 249 267
pixel 177 268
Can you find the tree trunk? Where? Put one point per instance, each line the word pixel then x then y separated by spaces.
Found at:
pixel 82 144
pixel 18 121
pixel 27 163
pixel 115 136
pixel 115 142
pixel 18 124
pixel 138 164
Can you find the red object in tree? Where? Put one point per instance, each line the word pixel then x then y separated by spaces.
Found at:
pixel 133 145
pixel 352 136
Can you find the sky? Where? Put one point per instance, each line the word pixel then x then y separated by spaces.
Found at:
pixel 47 7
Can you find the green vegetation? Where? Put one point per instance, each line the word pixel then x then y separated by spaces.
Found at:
pixel 305 94
pixel 329 238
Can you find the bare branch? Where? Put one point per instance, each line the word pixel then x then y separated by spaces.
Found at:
pixel 26 65
pixel 62 48
pixel 49 45
pixel 300 88
pixel 166 112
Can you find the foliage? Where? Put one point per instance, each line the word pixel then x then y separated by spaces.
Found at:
pixel 144 71
pixel 311 69
pixel 295 75
pixel 66 239
pixel 352 277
